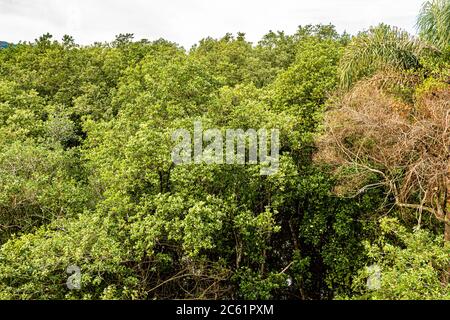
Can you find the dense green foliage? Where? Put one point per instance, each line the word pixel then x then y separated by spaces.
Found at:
pixel 87 179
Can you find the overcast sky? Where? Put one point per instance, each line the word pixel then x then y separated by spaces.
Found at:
pixel 188 21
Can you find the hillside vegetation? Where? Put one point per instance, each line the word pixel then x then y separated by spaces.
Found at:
pixel 87 179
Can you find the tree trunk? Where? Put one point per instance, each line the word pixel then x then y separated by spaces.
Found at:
pixel 447 224
pixel 447 209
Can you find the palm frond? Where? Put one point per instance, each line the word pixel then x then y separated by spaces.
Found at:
pixel 379 47
pixel 434 23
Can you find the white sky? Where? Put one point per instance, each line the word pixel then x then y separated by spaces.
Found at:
pixel 188 21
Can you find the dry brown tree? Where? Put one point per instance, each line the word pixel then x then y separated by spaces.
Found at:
pixel 405 145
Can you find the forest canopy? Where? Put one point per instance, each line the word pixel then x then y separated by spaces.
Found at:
pixel 87 181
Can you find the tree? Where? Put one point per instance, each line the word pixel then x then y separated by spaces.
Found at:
pixel 405 145
pixel 434 23
pixel 379 48
pixel 413 270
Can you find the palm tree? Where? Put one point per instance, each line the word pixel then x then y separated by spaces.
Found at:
pixel 389 47
pixel 434 23
pixel 379 47
pixel 386 47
